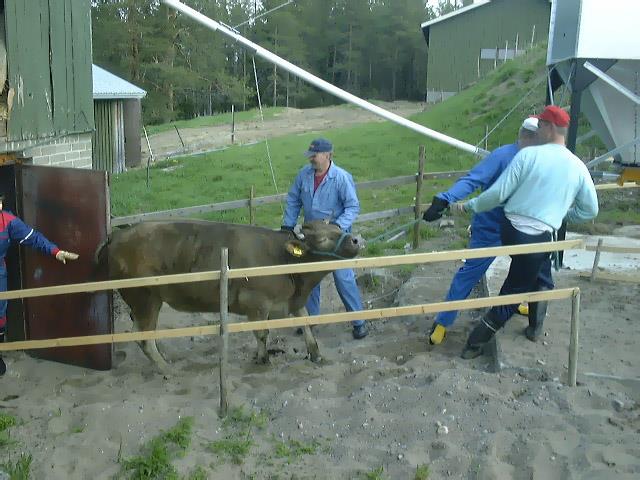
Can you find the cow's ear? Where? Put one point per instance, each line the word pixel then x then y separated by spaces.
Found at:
pixel 296 248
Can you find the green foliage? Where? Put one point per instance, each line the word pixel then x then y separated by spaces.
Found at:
pixel 375 474
pixel 198 473
pixel 238 441
pixel 422 472
pixel 7 421
pixel 294 449
pixel 20 469
pixel 155 462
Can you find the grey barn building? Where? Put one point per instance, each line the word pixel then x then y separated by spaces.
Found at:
pixel 118 118
pixel 464 45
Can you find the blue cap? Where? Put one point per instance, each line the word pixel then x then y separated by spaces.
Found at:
pixel 319 145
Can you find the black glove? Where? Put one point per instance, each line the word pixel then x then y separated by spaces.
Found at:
pixel 285 228
pixel 434 212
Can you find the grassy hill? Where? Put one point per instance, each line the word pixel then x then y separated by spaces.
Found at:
pixel 370 151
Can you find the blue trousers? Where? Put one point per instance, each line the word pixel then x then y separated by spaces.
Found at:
pixel 473 269
pixel 3 303
pixel 347 289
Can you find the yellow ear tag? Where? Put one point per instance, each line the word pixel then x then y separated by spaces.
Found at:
pixel 297 252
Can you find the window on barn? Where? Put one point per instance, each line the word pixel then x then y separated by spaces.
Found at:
pixel 500 53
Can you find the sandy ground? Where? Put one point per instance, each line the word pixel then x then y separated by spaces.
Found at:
pixel 292 120
pixel 372 403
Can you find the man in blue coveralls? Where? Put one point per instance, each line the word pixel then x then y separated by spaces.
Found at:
pixel 485 227
pixel 327 192
pixel 12 229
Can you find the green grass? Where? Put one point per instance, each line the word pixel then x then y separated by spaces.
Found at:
pixel 156 459
pixel 375 474
pixel 217 119
pixel 293 449
pixel 238 442
pixel 422 472
pixel 20 469
pixel 6 422
pixel 369 151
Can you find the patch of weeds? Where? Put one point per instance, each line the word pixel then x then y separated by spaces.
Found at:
pixel 373 249
pixel 395 245
pixel 427 232
pixel 237 443
pixel 6 422
pixel 198 473
pixel 459 244
pixel 161 451
pixel 233 448
pixel 294 449
pixel 20 470
pixel 422 472
pixel 78 428
pixel 375 474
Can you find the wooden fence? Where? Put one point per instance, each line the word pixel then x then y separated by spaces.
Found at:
pixel 225 274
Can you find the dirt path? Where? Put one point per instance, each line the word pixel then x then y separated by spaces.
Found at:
pixel 292 120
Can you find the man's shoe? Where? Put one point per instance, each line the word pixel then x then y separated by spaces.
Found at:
pixel 537 314
pixel 437 334
pixel 360 331
pixel 479 337
pixel 523 309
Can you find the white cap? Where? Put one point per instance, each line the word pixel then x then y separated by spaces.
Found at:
pixel 531 124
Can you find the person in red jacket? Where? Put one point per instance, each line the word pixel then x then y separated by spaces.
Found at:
pixel 12 229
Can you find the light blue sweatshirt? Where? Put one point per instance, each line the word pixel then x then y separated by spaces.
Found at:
pixel 547 183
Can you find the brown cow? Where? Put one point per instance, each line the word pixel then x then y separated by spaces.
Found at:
pixel 170 247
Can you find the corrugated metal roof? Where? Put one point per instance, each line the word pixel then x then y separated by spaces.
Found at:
pixel 478 3
pixel 107 86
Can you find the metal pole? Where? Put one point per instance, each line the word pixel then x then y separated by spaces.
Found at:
pixel 224 329
pixel 233 124
pixel 596 260
pixel 150 157
pixel 573 341
pixel 318 82
pixel 416 227
pixel 180 137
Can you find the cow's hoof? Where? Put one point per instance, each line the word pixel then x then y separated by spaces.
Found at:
pixel 315 358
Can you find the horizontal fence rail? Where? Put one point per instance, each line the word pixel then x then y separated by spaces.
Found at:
pixel 394 260
pixel 373 314
pixel 269 199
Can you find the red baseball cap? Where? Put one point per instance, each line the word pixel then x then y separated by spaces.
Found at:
pixel 555 115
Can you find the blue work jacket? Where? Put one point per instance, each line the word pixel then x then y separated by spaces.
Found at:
pixel 485 226
pixel 334 200
pixel 14 229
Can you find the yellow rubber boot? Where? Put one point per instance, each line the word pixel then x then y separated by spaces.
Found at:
pixel 523 309
pixel 437 335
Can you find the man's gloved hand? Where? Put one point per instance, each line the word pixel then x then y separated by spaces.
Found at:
pixel 457 208
pixel 63 256
pixel 435 210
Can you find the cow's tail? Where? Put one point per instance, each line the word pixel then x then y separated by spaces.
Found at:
pixel 101 251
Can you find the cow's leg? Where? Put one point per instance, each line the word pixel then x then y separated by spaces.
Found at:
pixel 145 307
pixel 309 339
pixel 262 356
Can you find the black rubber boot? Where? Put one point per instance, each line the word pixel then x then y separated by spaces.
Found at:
pixel 537 313
pixel 480 336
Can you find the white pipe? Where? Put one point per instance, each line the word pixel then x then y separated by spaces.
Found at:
pixel 318 82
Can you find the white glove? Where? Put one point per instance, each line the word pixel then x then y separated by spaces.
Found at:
pixel 63 256
pixel 457 208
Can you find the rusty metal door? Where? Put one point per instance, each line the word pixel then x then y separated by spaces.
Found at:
pixel 71 208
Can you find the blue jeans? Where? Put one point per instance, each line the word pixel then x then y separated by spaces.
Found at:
pixel 529 272
pixel 347 289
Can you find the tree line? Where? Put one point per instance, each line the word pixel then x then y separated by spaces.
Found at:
pixel 371 48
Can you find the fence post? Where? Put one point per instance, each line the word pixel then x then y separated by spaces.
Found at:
pixel 596 260
pixel 224 332
pixel 252 215
pixel 184 149
pixel 416 227
pixel 573 340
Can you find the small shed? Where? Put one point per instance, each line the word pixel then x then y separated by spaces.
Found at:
pixel 118 118
pixel 464 45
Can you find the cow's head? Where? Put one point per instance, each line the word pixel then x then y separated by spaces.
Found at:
pixel 322 239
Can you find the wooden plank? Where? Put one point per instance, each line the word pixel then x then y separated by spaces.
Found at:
pixel 612 277
pixel 613 249
pixel 297 268
pixel 615 186
pixel 374 314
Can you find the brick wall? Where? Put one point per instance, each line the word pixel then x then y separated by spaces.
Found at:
pixel 72 151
